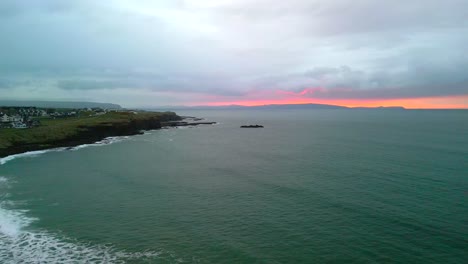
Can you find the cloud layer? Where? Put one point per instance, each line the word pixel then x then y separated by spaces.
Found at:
pixel 143 53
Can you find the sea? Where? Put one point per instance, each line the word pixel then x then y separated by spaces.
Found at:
pixel 312 186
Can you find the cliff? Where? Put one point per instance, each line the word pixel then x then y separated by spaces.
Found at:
pixel 77 131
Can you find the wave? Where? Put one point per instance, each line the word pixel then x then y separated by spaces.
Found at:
pixel 106 141
pixel 27 154
pixel 20 245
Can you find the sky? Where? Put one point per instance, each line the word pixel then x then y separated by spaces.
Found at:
pixel 143 53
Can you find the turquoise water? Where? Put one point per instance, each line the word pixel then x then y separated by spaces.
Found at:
pixel 315 186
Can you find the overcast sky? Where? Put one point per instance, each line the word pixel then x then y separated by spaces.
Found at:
pixel 171 52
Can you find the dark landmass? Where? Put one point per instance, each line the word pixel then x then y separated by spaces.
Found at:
pixel 298 106
pixel 74 131
pixel 235 107
pixel 271 107
pixel 184 123
pixel 58 104
pixel 382 107
pixel 252 126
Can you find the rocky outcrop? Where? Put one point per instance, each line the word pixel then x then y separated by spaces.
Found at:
pixel 184 123
pixel 252 126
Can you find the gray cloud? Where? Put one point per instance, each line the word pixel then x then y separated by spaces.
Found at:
pixel 5 84
pixel 232 48
pixel 421 76
pixel 155 83
pixel 89 85
pixel 390 93
pixel 10 8
pixel 10 83
pixel 342 16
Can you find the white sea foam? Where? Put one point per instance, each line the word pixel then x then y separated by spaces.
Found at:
pixel 32 247
pixel 27 154
pixel 20 245
pixel 11 221
pixel 106 141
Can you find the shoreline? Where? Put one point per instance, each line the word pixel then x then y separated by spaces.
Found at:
pixel 73 145
pixel 103 142
pixel 65 143
pixel 97 140
pixel 75 132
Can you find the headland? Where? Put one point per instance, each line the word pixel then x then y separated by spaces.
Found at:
pixel 82 127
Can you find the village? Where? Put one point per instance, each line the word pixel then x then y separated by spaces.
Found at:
pixel 28 117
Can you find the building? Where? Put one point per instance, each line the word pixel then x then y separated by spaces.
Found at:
pixel 5 118
pixel 19 125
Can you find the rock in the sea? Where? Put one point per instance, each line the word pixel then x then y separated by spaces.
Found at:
pixel 252 126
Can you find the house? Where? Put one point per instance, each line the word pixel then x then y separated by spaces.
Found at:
pixel 19 125
pixel 5 118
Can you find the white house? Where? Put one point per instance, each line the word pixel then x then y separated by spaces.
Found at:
pixel 19 125
pixel 5 118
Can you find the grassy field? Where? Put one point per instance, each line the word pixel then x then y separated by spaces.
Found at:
pixel 52 130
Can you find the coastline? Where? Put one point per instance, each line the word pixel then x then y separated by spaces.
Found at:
pixel 100 139
pixel 103 142
pixel 92 133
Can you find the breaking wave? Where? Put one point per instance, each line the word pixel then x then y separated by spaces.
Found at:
pixel 23 246
pixel 103 142
pixel 27 154
pixel 20 244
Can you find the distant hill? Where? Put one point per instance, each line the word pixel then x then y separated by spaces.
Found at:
pixel 382 107
pixel 270 106
pixel 299 106
pixel 235 107
pixel 59 104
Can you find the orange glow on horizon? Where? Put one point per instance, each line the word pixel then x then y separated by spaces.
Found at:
pixel 449 102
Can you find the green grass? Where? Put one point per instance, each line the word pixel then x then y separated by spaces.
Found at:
pixel 52 130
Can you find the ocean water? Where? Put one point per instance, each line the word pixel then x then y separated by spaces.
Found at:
pixel 313 186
